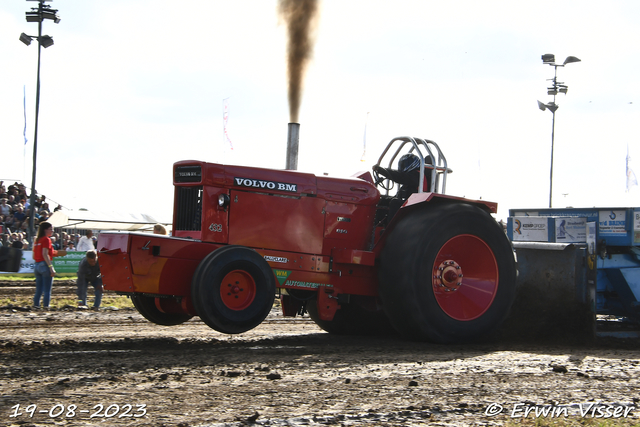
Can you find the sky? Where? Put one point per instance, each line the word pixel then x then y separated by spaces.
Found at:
pixel 132 86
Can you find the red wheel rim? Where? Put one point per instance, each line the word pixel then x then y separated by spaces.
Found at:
pixel 465 277
pixel 238 290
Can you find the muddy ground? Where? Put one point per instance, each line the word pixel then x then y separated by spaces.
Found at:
pixel 113 368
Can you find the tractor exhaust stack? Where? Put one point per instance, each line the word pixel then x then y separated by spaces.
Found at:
pixel 293 138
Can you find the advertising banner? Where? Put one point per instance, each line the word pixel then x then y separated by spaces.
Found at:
pixel 571 230
pixel 530 229
pixel 612 222
pixel 66 264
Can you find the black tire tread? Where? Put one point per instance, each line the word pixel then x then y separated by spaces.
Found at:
pixel 146 306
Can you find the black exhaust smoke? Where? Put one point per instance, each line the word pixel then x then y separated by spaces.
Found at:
pixel 300 18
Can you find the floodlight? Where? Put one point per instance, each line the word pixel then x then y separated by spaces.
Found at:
pixel 37 15
pixel 46 41
pixel 552 91
pixel 570 59
pixel 548 58
pixel 552 106
pixel 25 39
pixel 50 14
pixel 33 16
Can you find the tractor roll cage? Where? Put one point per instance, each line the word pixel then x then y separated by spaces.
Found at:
pixel 437 169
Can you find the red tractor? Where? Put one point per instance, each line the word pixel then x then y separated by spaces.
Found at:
pixel 358 260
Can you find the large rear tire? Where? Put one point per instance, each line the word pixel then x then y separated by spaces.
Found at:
pixel 233 289
pixel 352 319
pixel 447 274
pixel 146 306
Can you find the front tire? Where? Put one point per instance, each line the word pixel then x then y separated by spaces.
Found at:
pixel 233 289
pixel 447 274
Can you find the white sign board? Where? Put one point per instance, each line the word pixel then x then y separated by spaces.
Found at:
pixel 612 222
pixel 571 230
pixel 530 229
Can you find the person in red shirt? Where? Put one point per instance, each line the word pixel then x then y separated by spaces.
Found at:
pixel 43 254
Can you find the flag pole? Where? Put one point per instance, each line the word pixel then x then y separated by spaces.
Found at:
pixel 364 139
pixel 24 132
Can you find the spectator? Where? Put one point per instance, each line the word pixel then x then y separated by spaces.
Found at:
pixel 71 247
pixel 65 239
pixel 5 209
pixel 19 215
pixel 85 243
pixel 89 273
pixel 159 229
pixel 57 243
pixel 16 241
pixel 43 256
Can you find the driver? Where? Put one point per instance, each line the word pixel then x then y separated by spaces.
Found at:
pixel 407 175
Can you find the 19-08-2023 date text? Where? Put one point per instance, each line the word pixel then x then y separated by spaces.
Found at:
pixel 72 411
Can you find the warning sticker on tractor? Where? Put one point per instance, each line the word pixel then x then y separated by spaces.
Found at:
pixel 612 223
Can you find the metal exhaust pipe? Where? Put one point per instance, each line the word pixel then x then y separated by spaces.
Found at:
pixel 293 138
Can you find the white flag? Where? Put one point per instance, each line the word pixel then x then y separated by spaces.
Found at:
pixel 631 177
pixel 225 120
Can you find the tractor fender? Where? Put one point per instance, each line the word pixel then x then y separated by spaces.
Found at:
pixel 419 201
pixel 418 198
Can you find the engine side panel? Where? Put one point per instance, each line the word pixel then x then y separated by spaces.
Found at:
pixel 293 224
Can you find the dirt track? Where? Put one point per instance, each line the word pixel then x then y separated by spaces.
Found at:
pixel 289 372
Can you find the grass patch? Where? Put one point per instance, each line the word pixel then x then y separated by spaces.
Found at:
pixel 108 300
pixel 30 277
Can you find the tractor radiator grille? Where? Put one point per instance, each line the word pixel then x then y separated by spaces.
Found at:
pixel 188 208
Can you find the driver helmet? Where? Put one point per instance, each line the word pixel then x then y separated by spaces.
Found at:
pixel 408 162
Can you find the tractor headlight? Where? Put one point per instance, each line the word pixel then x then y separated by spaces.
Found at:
pixel 223 200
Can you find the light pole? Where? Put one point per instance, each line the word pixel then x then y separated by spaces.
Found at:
pixel 37 14
pixel 556 87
